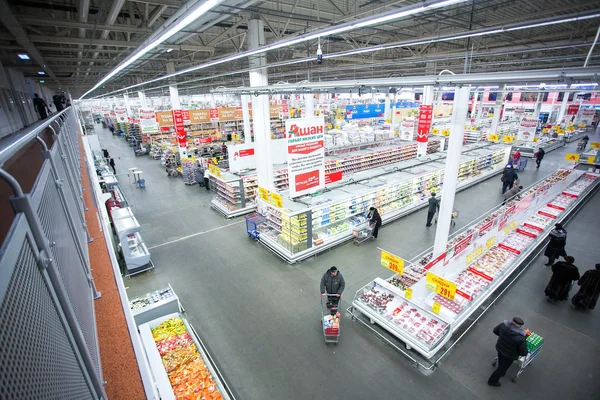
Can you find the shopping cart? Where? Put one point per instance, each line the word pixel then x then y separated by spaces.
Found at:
pixel 362 235
pixel 522 361
pixel 453 219
pixel 581 145
pixel 252 223
pixel 522 164
pixel 330 317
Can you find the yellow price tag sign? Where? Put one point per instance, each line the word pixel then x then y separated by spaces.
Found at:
pixel 591 159
pixel 218 172
pixel 572 157
pixel 506 229
pixel 560 131
pixel 211 169
pixel 443 286
pixel 445 132
pixel 408 293
pixel 513 225
pixel 276 199
pixel 556 127
pixel 436 307
pixel 490 242
pixel 470 257
pixel 535 139
pixel 263 194
pixel 595 145
pixel 545 130
pixel 392 262
pixel 508 139
pixel 435 131
pixel 493 138
pixel 479 251
pixel 571 129
pixel 473 128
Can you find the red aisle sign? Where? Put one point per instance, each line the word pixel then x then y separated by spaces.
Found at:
pixel 179 129
pixel 424 126
pixel 333 177
pixel 185 114
pixel 573 109
pixel 214 114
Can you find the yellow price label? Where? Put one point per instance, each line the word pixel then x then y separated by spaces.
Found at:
pixel 581 125
pixel 591 159
pixel 513 225
pixel 276 199
pixel 556 127
pixel 571 123
pixel 490 242
pixel 560 131
pixel 435 131
pixel 570 129
pixel 595 145
pixel 545 130
pixel 218 172
pixel 408 293
pixel 263 194
pixel 473 128
pixel 479 251
pixel 211 169
pixel 572 157
pixel 436 307
pixel 535 139
pixel 470 257
pixel 508 139
pixel 392 262
pixel 445 132
pixel 493 138
pixel 490 115
pixel 329 126
pixel 443 286
pixel 506 229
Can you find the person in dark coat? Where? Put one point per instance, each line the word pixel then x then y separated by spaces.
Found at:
pixel 111 162
pixel 332 282
pixel 556 246
pixel 509 194
pixel 374 218
pixel 539 156
pixel 510 345
pixel 434 205
pixel 40 106
pixel 589 290
pixel 509 176
pixel 563 274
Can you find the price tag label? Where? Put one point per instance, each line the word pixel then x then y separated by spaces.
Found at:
pixel 211 169
pixel 591 159
pixel 595 145
pixel 218 172
pixel 408 293
pixel 490 242
pixel 545 130
pixel 443 286
pixel 513 225
pixel 470 257
pixel 436 307
pixel 479 251
pixel 276 200
pixel 506 229
pixel 493 138
pixel 392 262
pixel 572 157
pixel 445 132
pixel 508 139
pixel 535 139
pixel 430 286
pixel 263 194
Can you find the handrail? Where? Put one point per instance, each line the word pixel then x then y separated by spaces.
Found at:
pixel 12 144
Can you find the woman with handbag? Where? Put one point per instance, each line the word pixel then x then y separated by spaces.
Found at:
pixel 589 290
pixel 563 275
pixel 374 218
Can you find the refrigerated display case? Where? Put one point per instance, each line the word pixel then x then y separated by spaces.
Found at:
pixel 154 305
pixel 478 260
pixel 127 229
pixel 528 149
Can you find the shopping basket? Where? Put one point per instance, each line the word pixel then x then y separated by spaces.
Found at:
pixel 330 317
pixel 252 223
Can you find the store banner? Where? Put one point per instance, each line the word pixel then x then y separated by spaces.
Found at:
pixel 241 156
pixel 527 128
pixel 238 114
pixel 148 122
pixel 407 128
pixel 333 177
pixel 586 116
pixel 274 111
pixel 305 155
pixel 186 115
pixel 226 114
pixel 121 113
pixel 179 128
pixel 165 118
pixel 425 118
pixel 214 115
pixel 519 112
pixel 358 111
pixel 573 109
pixel 199 116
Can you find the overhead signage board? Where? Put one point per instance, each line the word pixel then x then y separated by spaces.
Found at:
pixel 305 155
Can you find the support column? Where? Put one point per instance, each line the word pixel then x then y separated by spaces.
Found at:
pixel 538 106
pixel 127 105
pixel 427 100
pixel 563 109
pixel 386 110
pixel 260 106
pixel 459 117
pixel 479 109
pixel 143 101
pixel 246 117
pixel 173 92
pixel 497 110
pixel 309 105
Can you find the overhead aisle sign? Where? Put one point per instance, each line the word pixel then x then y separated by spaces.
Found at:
pixel 148 122
pixel 425 118
pixel 305 155
pixel 527 128
pixel 121 113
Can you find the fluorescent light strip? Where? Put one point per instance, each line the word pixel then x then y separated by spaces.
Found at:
pixel 195 14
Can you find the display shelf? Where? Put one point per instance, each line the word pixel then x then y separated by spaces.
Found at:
pixel 154 305
pixel 478 260
pixel 334 215
pixel 127 229
pixel 194 373
pixel 528 149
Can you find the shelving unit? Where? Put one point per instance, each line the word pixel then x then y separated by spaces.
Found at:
pixel 478 260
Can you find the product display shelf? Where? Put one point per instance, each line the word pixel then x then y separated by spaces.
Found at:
pixel 127 229
pixel 371 159
pixel 589 160
pixel 336 214
pixel 227 193
pixel 154 305
pixel 478 260
pixel 528 149
pixel 575 135
pixel 196 381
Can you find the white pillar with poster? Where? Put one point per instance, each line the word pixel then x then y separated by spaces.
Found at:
pixel 497 110
pixel 455 143
pixel 306 155
pixel 180 133
pixel 246 118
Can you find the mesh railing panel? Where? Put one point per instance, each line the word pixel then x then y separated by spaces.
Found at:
pixel 37 360
pixel 72 272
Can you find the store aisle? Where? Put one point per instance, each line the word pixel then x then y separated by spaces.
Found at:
pixel 260 317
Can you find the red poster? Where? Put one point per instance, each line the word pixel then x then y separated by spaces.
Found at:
pixel 244 153
pixel 435 261
pixel 481 274
pixel 185 114
pixel 333 177
pixel 306 148
pixel 307 180
pixel 424 125
pixel 573 109
pixel 179 129
pixel 214 114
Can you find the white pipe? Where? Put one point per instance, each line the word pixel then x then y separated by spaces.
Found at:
pixel 592 48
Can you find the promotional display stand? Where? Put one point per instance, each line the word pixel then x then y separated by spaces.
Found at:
pixel 296 230
pixel 429 299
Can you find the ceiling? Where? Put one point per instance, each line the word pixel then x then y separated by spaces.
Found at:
pixel 80 41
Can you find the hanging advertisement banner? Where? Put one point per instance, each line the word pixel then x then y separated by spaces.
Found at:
pixel 179 128
pixel 148 120
pixel 586 116
pixel 238 114
pixel 121 114
pixel 527 128
pixel 274 111
pixel 519 112
pixel 573 109
pixel 407 128
pixel 214 115
pixel 165 118
pixel 105 112
pixel 199 116
pixel 305 155
pixel 425 117
pixel 226 114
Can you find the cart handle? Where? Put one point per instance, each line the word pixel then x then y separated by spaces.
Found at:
pixel 331 295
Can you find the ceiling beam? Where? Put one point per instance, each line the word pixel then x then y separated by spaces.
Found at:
pixel 65 23
pixel 169 3
pixel 115 43
pixel 155 15
pixel 10 22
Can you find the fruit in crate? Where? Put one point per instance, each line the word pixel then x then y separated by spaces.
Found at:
pixel 171 327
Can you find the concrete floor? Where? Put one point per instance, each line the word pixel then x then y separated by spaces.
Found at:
pixel 260 317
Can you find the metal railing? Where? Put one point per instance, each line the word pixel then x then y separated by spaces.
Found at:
pixel 48 336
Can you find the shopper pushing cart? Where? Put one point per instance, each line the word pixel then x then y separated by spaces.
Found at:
pixel 333 283
pixel 332 287
pixel 510 346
